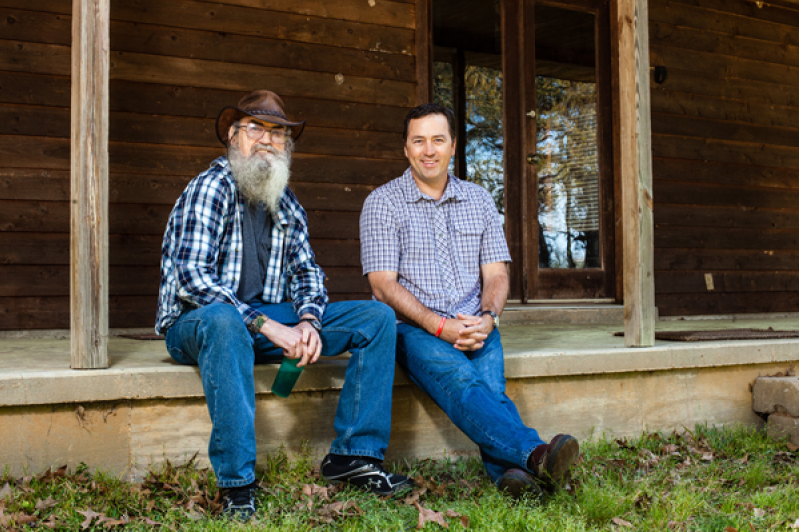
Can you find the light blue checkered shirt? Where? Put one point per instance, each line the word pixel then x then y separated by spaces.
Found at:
pixel 202 252
pixel 436 247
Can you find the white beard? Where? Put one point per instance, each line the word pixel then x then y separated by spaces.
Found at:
pixel 262 177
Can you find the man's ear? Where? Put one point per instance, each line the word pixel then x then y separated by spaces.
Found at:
pixel 230 134
pixel 405 149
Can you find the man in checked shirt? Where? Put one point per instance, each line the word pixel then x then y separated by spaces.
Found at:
pixel 433 249
pixel 240 286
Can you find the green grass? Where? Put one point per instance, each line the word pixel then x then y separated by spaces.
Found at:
pixel 706 480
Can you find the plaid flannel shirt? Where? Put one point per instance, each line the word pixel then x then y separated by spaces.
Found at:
pixel 201 254
pixel 436 247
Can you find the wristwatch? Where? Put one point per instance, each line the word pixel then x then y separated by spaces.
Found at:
pixel 256 324
pixel 493 315
pixel 315 323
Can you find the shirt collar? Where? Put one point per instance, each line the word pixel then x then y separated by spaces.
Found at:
pixel 281 218
pixel 453 191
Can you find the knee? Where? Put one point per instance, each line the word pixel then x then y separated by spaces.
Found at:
pixel 221 318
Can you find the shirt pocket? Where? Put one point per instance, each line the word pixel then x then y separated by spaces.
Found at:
pixel 468 236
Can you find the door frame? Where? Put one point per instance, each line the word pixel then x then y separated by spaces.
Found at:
pixel 528 282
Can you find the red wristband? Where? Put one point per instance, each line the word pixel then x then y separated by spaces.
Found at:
pixel 441 326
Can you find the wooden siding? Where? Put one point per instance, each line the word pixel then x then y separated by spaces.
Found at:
pixel 725 141
pixel 346 66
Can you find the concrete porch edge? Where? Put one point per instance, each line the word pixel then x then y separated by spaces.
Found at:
pixel 142 370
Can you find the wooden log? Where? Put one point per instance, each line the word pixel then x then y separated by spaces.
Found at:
pixel 89 155
pixel 175 101
pixel 631 20
pixel 130 66
pixel 736 205
pixel 53 280
pixel 726 303
pixel 400 15
pixel 726 66
pixel 744 153
pixel 716 86
pixel 203 44
pixel 771 12
pixel 758 240
pixel 236 20
pixel 664 34
pixel 723 173
pixel 702 128
pixel 742 112
pixel 682 259
pixel 696 282
pixel 714 21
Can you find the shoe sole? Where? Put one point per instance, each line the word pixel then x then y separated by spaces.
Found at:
pixel 517 487
pixel 399 488
pixel 559 461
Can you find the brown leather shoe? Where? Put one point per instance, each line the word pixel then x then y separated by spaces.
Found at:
pixel 552 462
pixel 518 483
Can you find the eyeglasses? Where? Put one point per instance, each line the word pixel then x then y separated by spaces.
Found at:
pixel 256 131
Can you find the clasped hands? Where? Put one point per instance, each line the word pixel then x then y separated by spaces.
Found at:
pixel 467 333
pixel 301 341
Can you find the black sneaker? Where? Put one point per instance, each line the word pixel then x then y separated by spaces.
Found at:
pixel 517 483
pixel 239 503
pixel 365 474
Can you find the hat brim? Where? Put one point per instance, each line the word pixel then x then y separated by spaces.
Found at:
pixel 230 114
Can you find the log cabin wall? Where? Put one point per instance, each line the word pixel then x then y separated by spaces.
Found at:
pixel 725 141
pixel 346 66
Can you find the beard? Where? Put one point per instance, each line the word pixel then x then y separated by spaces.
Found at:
pixel 262 177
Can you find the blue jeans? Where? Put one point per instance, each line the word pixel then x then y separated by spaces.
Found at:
pixel 215 338
pixel 470 388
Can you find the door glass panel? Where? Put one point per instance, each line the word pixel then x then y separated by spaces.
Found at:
pixel 485 149
pixel 566 139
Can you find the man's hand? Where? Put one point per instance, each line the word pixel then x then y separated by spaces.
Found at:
pixel 301 341
pixel 313 344
pixel 467 333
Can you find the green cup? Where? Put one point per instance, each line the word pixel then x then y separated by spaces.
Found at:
pixel 286 377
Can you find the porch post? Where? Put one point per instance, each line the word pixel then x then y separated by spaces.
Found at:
pixel 89 184
pixel 636 173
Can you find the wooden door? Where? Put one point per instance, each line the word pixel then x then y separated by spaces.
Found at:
pixel 566 153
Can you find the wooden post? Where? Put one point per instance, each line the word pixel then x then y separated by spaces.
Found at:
pixel 636 173
pixel 89 149
pixel 424 51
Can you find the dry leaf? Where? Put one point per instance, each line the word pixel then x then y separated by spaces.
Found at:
pixel 791 446
pixel 669 449
pixel 758 512
pixel 463 519
pixel 621 522
pixel 795 525
pixel 50 523
pixel 89 515
pixel 730 529
pixel 426 515
pixel 6 492
pixel 744 460
pixel 49 502
pixel 414 496
pixel 708 457
pixel 672 525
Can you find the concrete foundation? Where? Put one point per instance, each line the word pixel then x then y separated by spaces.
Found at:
pixel 578 379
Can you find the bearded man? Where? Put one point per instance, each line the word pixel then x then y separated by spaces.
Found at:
pixel 240 286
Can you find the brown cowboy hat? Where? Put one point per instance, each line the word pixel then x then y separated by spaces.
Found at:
pixel 263 105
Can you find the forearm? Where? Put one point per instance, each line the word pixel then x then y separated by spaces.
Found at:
pixel 495 288
pixel 405 305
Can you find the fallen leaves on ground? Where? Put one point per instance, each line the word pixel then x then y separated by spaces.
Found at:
pixel 427 515
pixel 618 521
